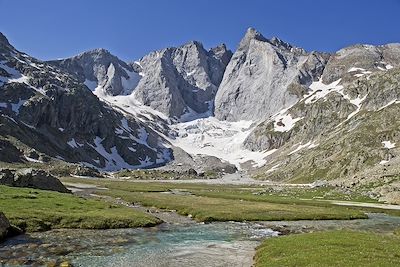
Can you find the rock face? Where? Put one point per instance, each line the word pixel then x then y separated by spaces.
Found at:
pixel 4 226
pixel 50 111
pixel 100 70
pixel 178 81
pixel 361 59
pixel 37 179
pixel 265 76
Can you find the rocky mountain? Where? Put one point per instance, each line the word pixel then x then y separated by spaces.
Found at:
pixel 265 76
pixel 100 70
pixel 344 130
pixel 280 112
pixel 174 81
pixel 48 113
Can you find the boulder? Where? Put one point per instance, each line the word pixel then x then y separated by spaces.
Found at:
pixel 6 177
pixel 31 178
pixel 38 179
pixel 4 226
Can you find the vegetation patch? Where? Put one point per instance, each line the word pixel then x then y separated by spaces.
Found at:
pixel 333 248
pixel 38 210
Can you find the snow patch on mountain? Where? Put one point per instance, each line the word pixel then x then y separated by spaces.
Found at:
pixel 74 144
pixel 308 145
pixel 222 139
pixel 284 123
pixel 320 90
pixel 388 144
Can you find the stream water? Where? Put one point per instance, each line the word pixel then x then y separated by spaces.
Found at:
pixel 215 244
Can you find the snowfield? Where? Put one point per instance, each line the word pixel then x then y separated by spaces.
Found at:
pixel 221 139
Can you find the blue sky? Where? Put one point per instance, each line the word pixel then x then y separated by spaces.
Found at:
pixel 49 29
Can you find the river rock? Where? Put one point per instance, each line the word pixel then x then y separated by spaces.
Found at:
pixel 4 226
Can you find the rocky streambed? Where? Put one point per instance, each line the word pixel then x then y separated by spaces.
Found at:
pixel 187 244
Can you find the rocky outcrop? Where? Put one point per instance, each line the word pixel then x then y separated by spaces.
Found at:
pixel 182 80
pixel 265 76
pixel 31 178
pixel 359 60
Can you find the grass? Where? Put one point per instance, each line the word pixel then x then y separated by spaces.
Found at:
pixel 209 209
pixel 292 197
pixel 38 210
pixel 333 248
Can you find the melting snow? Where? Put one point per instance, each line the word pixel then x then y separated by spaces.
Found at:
pixel 285 123
pixel 319 90
pixel 114 161
pixel 130 84
pixel 308 145
pixel 274 168
pixel 389 67
pixel 221 139
pixel 72 143
pixel 355 69
pixel 388 144
pixel 33 160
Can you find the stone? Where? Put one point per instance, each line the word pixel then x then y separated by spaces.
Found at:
pixel 31 178
pixel 4 226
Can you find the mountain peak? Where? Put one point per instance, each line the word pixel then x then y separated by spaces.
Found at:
pixel 251 34
pixel 3 39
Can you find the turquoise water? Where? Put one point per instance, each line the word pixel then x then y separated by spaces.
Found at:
pixel 213 244
pixel 216 244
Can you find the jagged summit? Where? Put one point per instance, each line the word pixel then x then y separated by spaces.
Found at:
pixel 4 40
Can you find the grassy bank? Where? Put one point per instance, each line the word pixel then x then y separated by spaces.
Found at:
pixel 335 248
pixel 219 209
pixel 38 210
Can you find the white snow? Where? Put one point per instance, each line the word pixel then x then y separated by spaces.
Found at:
pixel 33 160
pixel 274 168
pixel 388 144
pixel 114 161
pixel 308 145
pixel 383 162
pixel 221 139
pixel 355 69
pixel 285 123
pixel 72 143
pixel 389 67
pixel 319 90
pixel 191 72
pixel 16 76
pixel 358 102
pixel 130 84
pixel 61 129
pixel 3 105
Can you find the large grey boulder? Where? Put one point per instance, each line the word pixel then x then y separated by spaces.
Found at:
pixel 265 76
pixel 32 178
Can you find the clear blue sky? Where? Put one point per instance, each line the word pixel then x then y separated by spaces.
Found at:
pixel 49 29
